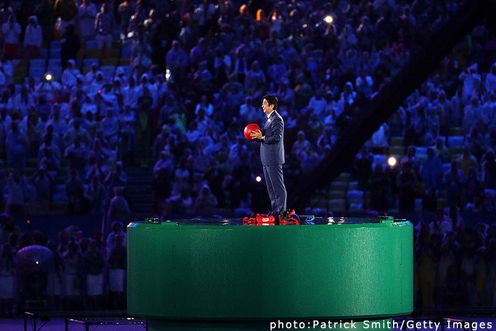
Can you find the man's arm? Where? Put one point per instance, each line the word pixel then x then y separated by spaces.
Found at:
pixel 258 136
pixel 277 130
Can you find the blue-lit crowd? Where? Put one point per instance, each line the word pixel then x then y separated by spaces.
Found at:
pixel 188 76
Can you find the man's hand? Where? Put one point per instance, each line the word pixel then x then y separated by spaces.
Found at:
pixel 257 135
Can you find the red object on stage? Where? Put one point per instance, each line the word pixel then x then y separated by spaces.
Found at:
pixel 289 222
pixel 252 127
pixel 289 217
pixel 259 219
pixel 265 219
pixel 249 221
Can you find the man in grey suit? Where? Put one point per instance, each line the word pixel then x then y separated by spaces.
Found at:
pixel 271 139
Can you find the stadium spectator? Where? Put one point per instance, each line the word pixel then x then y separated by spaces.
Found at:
pixel 33 38
pixel 206 202
pixel 11 31
pixel 94 264
pixel 118 210
pixel 73 266
pixel 74 188
pixel 454 181
pixel 46 17
pixel 432 171
pixel 117 264
pixel 43 184
pixel 86 20
pixel 7 281
pixel 407 183
pixel 95 195
pixel 104 26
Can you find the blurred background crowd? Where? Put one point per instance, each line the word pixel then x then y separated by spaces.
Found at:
pixel 120 108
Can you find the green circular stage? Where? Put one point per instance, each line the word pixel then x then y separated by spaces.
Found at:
pixel 357 269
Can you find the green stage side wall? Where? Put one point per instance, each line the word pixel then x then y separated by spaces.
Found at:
pixel 189 272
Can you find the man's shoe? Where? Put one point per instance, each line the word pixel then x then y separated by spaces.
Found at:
pixel 289 217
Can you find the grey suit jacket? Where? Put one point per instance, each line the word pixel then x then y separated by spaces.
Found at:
pixel 272 146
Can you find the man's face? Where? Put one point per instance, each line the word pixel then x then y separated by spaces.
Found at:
pixel 266 107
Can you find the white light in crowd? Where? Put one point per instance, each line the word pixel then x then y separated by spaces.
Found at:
pixel 37 262
pixel 167 74
pixel 48 77
pixel 258 179
pixel 328 19
pixel 392 161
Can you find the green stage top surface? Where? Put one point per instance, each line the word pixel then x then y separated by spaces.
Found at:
pixel 340 268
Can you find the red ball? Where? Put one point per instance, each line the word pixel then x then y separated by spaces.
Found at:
pixel 252 127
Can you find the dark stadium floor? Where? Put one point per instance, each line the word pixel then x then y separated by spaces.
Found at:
pixel 57 324
pixel 17 324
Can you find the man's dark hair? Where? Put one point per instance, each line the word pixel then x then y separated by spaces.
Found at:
pixel 272 100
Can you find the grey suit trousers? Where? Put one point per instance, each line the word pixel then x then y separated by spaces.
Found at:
pixel 275 187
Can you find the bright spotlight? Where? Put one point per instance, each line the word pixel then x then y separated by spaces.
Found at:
pixel 167 74
pixel 48 77
pixel 328 19
pixel 258 179
pixel 392 161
